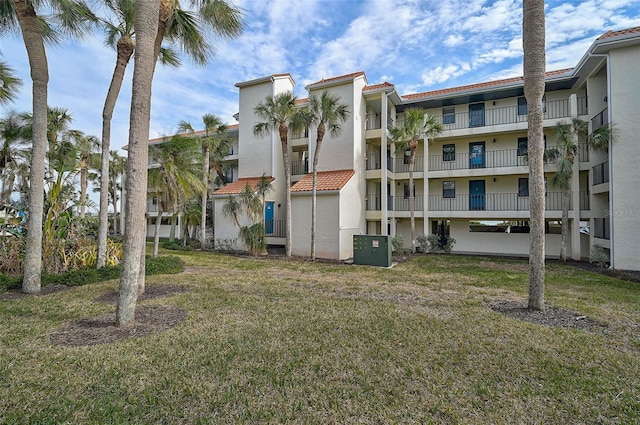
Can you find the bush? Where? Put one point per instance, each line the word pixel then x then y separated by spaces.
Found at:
pixel 175 246
pixel 433 243
pixel 599 257
pixel 164 265
pixel 160 265
pixel 398 243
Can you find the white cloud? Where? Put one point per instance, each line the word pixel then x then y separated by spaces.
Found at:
pixel 453 40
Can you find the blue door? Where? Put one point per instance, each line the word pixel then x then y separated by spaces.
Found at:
pixel 268 218
pixel 476 155
pixel 476 115
pixel 476 195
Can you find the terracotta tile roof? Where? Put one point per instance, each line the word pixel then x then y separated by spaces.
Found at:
pixel 377 86
pixel 195 133
pixel 327 180
pixel 610 34
pixel 302 101
pixel 239 185
pixel 341 77
pixel 479 85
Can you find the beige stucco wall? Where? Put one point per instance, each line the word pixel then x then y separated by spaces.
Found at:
pixel 498 243
pixel 327 225
pixel 624 153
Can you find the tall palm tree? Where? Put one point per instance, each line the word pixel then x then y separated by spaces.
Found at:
pixel 9 83
pixel 177 177
pixel 280 114
pixel 566 151
pixel 418 125
pixel 86 148
pixel 327 113
pixel 12 142
pixel 533 41
pixel 73 18
pixel 214 140
pixel 120 34
pixel 117 166
pixel 132 275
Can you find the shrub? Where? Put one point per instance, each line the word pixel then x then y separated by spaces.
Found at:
pixel 433 243
pixel 175 246
pixel 163 265
pixel 599 257
pixel 227 245
pixel 398 243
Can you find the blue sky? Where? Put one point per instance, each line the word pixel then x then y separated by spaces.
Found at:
pixel 418 45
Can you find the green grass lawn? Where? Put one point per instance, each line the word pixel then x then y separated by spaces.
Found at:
pixel 285 341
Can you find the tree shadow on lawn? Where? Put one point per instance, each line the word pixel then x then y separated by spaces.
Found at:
pixel 102 330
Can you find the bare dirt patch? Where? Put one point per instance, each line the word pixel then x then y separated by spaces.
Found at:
pixel 150 292
pixel 102 329
pixel 16 294
pixel 552 316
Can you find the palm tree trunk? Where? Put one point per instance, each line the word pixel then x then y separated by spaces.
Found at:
pixel 283 130
pixel 412 197
pixel 34 44
pixel 205 180
pixel 314 188
pixel 83 191
pixel 534 73
pixel 566 200
pixel 124 52
pixel 156 235
pixel 146 24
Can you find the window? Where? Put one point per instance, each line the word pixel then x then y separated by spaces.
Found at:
pixel 522 146
pixel 522 105
pixel 523 186
pixel 154 201
pixel 448 189
pixel 407 155
pixel 449 152
pixel 449 115
pixel 407 195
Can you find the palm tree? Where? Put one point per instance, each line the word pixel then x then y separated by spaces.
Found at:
pixel 176 179
pixel 417 125
pixel 326 113
pixel 11 153
pixel 214 140
pixel 280 114
pixel 74 15
pixel 9 83
pixel 119 34
pixel 86 148
pixel 533 40
pixel 117 166
pixel 132 275
pixel 566 151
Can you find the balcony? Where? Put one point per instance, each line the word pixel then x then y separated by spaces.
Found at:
pixel 299 167
pixel 275 228
pixel 374 121
pixel 304 134
pixel 492 159
pixel 400 203
pixel 583 108
pixel 601 173
pixel 373 202
pixel 373 161
pixel 585 202
pixel 492 202
pixel 601 228
pixel 600 119
pixel 554 109
pixel 401 165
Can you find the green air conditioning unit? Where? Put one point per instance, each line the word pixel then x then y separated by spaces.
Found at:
pixel 372 250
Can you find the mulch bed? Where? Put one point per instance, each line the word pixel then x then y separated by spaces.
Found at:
pixel 552 316
pixel 102 330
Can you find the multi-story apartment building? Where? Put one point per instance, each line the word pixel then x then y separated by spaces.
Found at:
pixel 471 181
